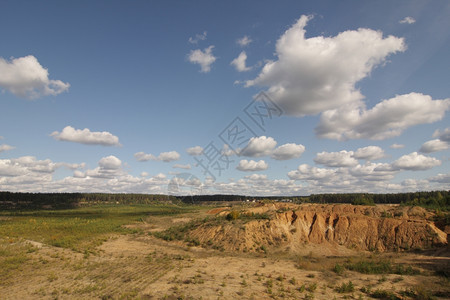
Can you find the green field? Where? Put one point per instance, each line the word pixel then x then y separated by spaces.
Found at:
pixel 79 229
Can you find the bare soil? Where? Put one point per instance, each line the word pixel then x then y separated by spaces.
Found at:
pixel 141 266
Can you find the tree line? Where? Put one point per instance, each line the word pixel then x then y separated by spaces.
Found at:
pixel 10 200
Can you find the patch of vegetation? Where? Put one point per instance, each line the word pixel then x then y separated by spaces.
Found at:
pixel 235 215
pixel 13 256
pixel 346 287
pixel 338 269
pixel 383 294
pixel 363 201
pixel 82 228
pixel 378 267
pixel 177 232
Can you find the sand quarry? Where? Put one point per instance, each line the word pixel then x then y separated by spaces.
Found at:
pixel 258 251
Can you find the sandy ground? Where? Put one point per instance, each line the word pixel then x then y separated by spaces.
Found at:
pixel 140 266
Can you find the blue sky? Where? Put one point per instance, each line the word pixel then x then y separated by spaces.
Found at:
pixel 115 96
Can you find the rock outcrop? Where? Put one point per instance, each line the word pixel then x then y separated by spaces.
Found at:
pixel 382 228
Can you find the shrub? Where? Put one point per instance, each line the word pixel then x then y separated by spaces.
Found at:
pixel 346 288
pixel 338 269
pixel 233 215
pixel 383 294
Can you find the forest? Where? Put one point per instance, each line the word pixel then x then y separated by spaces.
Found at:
pixel 28 201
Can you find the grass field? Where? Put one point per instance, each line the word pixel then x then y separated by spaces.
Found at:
pixel 79 229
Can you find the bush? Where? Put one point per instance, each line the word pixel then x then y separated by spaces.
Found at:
pixel 383 294
pixel 346 288
pixel 233 215
pixel 338 269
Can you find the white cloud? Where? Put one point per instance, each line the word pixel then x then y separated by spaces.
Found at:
pixel 169 156
pixel 204 58
pixel 142 156
pixel 306 172
pixel 27 171
pixel 110 162
pixel 373 172
pixel 434 146
pixel 144 174
pixel 109 167
pixel 26 78
pixel 163 156
pixel 244 41
pixel 85 136
pixel 387 119
pixel 5 147
pixel 257 177
pixel 407 20
pixel 179 166
pixel 198 37
pixel 197 150
pixel 336 159
pixel 397 146
pixel 312 75
pixel 9 168
pixel 441 178
pixel 288 151
pixel 369 153
pixel 259 146
pixel 227 151
pixel 239 62
pixel 415 162
pixel 252 166
pixel 443 136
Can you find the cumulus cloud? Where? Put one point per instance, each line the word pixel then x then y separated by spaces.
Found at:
pixel 259 146
pixel 434 146
pixel 142 156
pixel 415 162
pixel 387 119
pixel 169 156
pixel 204 58
pixel 110 162
pixel 397 146
pixel 244 41
pixel 163 156
pixel 179 166
pixel 5 147
pixel 239 62
pixel 226 151
pixel 407 20
pixel 197 150
pixel 85 136
pixel 198 37
pixel 373 172
pixel 441 178
pixel 29 171
pixel 306 172
pixel 265 146
pixel 252 166
pixel 26 78
pixel 443 136
pixel 312 75
pixel 109 167
pixel 256 177
pixel 336 159
pixel 369 153
pixel 288 151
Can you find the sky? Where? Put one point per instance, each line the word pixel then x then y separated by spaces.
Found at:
pixel 224 97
